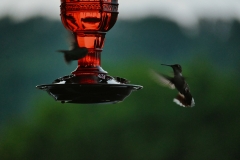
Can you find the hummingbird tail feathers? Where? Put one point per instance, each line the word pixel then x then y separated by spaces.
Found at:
pixel 66 56
pixel 183 101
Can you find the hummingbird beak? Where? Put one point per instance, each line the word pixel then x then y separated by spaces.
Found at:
pixel 166 65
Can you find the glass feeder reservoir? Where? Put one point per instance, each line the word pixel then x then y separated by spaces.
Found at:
pixel 89 20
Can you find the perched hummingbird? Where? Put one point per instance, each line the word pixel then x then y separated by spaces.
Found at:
pixel 75 51
pixel 184 97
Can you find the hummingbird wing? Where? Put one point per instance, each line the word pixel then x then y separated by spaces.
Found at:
pixel 163 79
pixel 75 51
pixel 73 41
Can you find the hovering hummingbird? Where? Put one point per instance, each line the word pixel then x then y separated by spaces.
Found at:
pixel 75 51
pixel 184 97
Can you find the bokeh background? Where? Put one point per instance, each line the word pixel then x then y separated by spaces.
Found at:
pixel 203 36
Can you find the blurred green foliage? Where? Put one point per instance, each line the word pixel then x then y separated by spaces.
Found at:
pixel 146 125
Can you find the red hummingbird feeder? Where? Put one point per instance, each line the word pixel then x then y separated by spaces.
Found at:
pixel 89 20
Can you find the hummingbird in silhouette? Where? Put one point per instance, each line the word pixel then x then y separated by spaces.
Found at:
pixel 75 51
pixel 184 97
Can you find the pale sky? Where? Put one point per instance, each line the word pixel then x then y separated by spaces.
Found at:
pixel 185 12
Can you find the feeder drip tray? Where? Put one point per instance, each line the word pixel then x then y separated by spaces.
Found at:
pixel 112 90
